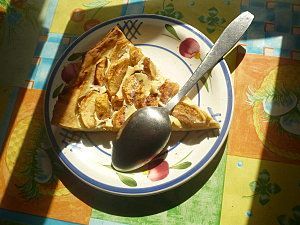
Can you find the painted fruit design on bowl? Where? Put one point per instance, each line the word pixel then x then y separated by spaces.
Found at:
pixel 70 71
pixel 276 111
pixel 189 48
pixel 158 169
pixel 159 172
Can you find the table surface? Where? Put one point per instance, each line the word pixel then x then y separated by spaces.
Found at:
pixel 256 180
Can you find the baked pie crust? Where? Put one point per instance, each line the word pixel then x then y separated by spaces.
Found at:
pixel 116 79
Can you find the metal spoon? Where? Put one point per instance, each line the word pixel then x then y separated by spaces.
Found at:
pixel 147 131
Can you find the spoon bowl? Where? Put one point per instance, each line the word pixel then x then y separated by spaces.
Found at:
pixel 142 127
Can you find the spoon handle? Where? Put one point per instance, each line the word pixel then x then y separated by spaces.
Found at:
pixel 230 36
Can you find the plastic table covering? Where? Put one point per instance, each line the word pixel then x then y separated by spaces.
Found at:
pixel 257 179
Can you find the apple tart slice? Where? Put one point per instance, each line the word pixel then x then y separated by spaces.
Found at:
pixel 114 80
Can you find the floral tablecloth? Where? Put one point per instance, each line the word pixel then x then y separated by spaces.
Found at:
pixel 257 180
